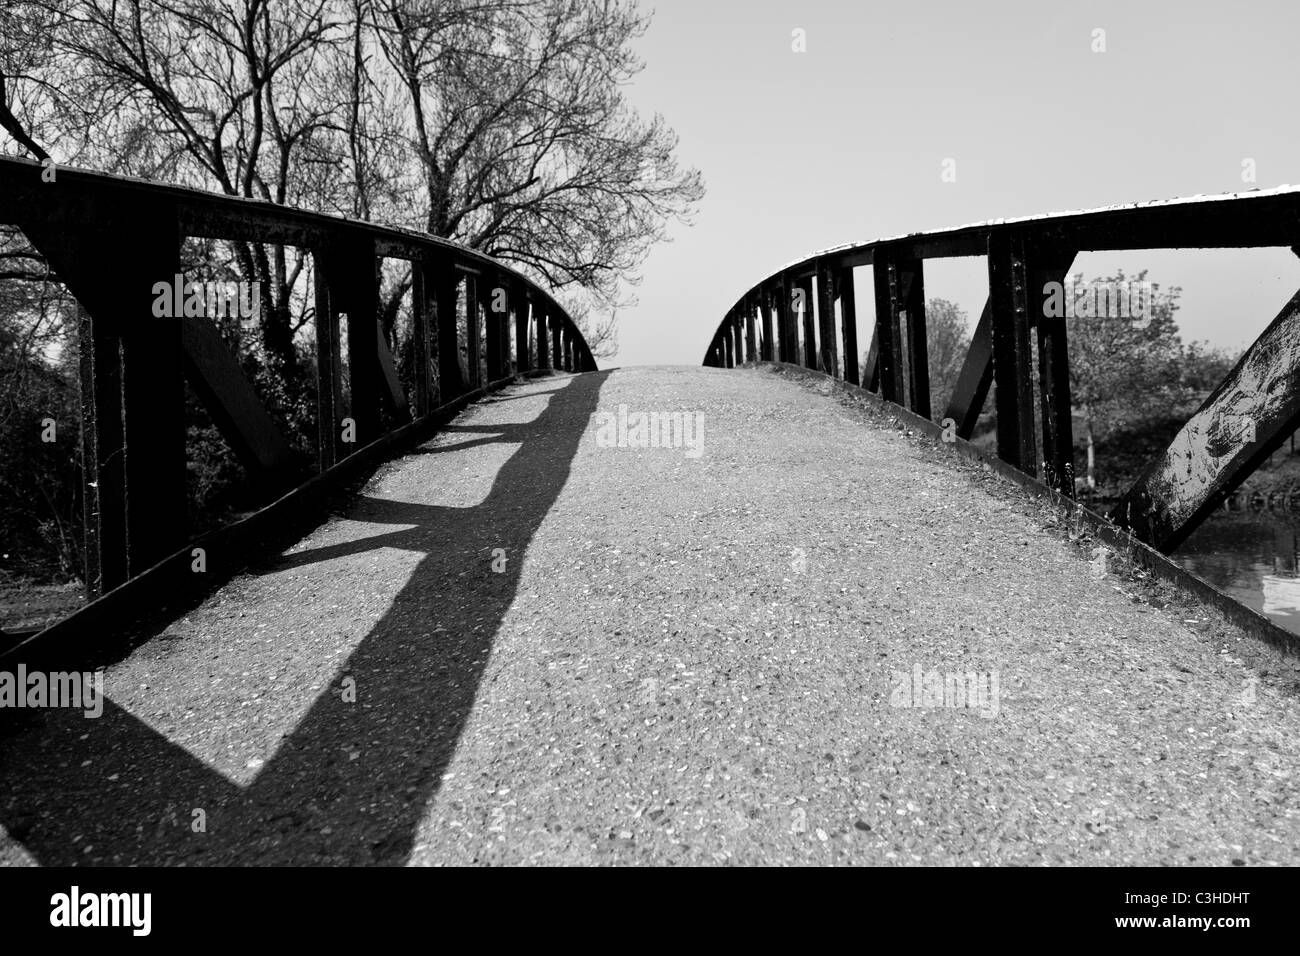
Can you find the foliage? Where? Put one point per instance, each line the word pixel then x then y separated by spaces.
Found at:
pixel 1132 383
pixel 40 487
pixel 948 339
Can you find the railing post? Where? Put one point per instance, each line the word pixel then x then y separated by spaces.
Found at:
pixel 519 311
pixel 849 320
pixel 786 318
pixel 1014 391
pixel 1053 371
pixel 350 272
pixel 795 319
pixel 543 338
pixel 805 285
pixel 442 287
pixel 473 336
pixel 900 289
pixel 765 297
pixel 888 330
pixel 153 408
pixel 504 322
pixel 492 324
pixel 421 309
pixel 918 352
pixel 751 342
pixel 103 464
pixel 329 364
pixel 830 362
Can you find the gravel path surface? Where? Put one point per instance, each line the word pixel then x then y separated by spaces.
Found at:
pixel 521 646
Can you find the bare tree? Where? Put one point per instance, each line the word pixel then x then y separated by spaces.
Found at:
pixel 527 146
pixel 217 95
pixel 499 123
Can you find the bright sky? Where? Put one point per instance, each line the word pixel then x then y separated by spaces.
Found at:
pixel 846 141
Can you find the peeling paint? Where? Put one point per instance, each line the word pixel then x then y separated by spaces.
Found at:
pixel 1258 398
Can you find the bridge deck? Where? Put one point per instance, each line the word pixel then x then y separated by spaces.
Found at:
pixel 682 660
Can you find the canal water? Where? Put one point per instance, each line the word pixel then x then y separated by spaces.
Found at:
pixel 1252 555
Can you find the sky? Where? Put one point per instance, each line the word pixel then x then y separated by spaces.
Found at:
pixel 846 141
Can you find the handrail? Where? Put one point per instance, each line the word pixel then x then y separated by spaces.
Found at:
pixel 790 316
pixel 111 239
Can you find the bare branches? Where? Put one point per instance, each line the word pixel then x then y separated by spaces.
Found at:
pixel 536 157
pixel 498 123
pixel 15 128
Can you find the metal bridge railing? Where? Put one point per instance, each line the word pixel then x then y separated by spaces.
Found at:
pixel 111 239
pixel 791 317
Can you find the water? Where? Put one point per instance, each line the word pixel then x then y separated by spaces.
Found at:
pixel 1253 556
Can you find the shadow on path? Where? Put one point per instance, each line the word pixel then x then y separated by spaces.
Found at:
pixel 351 782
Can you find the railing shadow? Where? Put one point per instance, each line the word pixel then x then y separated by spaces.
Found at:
pixel 312 803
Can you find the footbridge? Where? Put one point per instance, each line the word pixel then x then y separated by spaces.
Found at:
pixel 516 608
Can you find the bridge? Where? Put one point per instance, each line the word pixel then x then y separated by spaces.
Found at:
pixel 770 609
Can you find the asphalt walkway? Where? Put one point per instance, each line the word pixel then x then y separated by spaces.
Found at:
pixel 791 637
